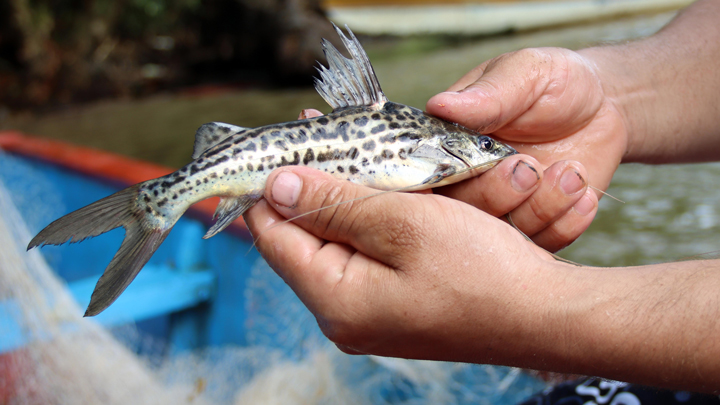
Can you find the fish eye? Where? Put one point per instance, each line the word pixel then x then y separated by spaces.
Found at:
pixel 486 143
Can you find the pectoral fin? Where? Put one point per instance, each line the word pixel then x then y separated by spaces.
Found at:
pixel 442 171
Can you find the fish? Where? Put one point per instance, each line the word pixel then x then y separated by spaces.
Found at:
pixel 366 139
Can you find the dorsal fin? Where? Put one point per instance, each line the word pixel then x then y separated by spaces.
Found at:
pixel 211 134
pixel 348 82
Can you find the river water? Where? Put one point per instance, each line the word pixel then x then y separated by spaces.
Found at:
pixel 669 211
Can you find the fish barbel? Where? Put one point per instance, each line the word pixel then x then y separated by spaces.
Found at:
pixel 366 139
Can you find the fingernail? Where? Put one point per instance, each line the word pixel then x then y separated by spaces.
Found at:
pixel 286 189
pixel 571 181
pixel 524 177
pixel 584 206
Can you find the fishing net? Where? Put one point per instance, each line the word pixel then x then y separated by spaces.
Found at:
pixel 61 358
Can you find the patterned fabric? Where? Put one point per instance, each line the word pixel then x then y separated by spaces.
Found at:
pixel 595 391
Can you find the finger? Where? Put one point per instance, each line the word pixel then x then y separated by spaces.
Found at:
pixel 502 188
pixel 309 113
pixel 562 186
pixel 382 226
pixel 570 226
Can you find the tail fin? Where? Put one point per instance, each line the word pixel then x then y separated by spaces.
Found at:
pixel 141 240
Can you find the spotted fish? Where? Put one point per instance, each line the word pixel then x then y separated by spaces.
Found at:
pixel 366 139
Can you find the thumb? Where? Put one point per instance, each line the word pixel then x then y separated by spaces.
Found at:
pixel 381 226
pixel 496 93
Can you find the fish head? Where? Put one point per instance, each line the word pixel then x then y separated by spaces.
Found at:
pixel 476 151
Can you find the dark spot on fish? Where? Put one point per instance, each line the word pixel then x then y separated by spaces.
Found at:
pixel 197 182
pixel 353 169
pixel 307 125
pixel 414 125
pixel 408 137
pixel 271 166
pixel 295 161
pixel 364 161
pixel 226 171
pixel 250 147
pixel 162 202
pixel 309 156
pixel 353 153
pixel 146 198
pixel 155 193
pixel 260 167
pixel 361 121
pixel 236 151
pixel 264 142
pixel 400 117
pixel 378 129
pixel 182 191
pixel 324 156
pixel 213 175
pixel 240 169
pixel 377 159
pixel 369 145
pixel 148 210
pixel 200 161
pixel 153 185
pixel 232 172
pixel 402 153
pixel 421 121
pixel 280 144
pixel 175 196
pixel 394 125
pixel 167 184
pixel 250 167
pixel 389 138
pixel 225 130
pixel 375 116
pixel 341 129
pixel 340 169
pixel 205 180
pixel 194 169
pixel 297 138
pixel 387 154
pixel 322 121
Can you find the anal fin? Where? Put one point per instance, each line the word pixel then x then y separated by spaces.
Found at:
pixel 229 209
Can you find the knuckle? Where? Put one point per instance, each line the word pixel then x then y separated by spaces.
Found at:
pixel 335 207
pixel 540 211
pixel 556 237
pixel 401 232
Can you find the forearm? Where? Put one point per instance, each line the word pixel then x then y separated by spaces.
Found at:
pixel 667 87
pixel 655 325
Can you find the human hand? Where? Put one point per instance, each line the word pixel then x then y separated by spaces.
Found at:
pixel 558 209
pixel 548 103
pixel 383 275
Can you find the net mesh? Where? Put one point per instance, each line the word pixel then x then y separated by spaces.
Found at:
pixel 66 359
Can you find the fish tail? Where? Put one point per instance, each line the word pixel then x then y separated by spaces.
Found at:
pixel 144 233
